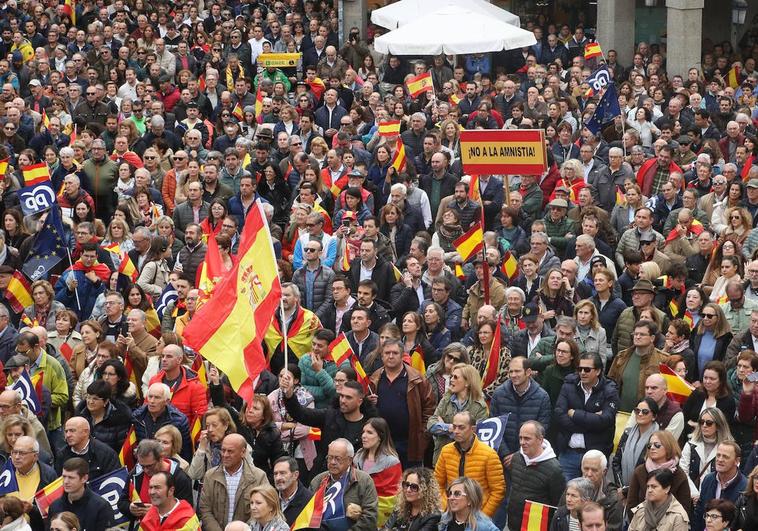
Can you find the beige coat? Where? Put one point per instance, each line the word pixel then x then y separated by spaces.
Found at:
pixel 214 500
pixel 675 519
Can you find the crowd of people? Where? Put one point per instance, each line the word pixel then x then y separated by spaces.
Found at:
pixel 611 321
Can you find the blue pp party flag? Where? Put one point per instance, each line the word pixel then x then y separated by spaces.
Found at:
pixel 28 393
pixel 8 481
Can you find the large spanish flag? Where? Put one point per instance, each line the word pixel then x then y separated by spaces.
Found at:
pixel 470 242
pixel 678 388
pixel 35 174
pixel 419 84
pixel 19 292
pixel 387 483
pixel 228 330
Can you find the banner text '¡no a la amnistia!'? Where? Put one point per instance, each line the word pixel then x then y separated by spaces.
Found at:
pixel 514 151
pixel 502 151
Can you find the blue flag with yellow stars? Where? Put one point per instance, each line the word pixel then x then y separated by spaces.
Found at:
pixel 607 109
pixel 49 247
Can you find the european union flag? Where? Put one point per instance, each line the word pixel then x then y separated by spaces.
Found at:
pixel 49 247
pixel 607 109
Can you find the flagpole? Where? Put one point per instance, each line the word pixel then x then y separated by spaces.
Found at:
pixel 76 290
pixel 284 333
pixel 485 264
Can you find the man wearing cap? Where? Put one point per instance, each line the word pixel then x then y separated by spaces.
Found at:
pixel 650 253
pixel 37 101
pixel 630 239
pixel 525 341
pixel 684 156
pixel 558 227
pixel 633 365
pixel 192 122
pixel 643 294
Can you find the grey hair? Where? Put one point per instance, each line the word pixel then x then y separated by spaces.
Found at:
pixel 516 290
pixel 4 311
pixel 143 231
pixel 148 447
pixel 348 446
pixel 538 427
pixel 615 151
pixel 435 249
pixel 584 486
pixel 399 187
pixel 587 240
pixel 596 454
pixel 157 121
pixel 143 315
pixel 540 235
pixel 66 151
pixel 163 387
pixel 565 320
pixel 293 287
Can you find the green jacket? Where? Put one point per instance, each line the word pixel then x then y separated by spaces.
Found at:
pixel 278 75
pixel 557 233
pixel 319 384
pixel 444 414
pixel 54 378
pixel 622 334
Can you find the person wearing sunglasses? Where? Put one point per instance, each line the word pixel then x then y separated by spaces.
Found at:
pixel 699 453
pixel 464 507
pixel 633 442
pixel 663 453
pixel 418 503
pixel 585 413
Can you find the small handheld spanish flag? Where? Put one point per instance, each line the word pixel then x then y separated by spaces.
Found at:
pixel 420 84
pixel 389 128
pixel 470 242
pixel 591 50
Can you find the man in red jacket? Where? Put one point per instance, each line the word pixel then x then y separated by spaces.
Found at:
pixel 189 395
pixel 654 172
pixel 166 512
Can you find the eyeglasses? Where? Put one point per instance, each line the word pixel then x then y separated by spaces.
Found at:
pixel 707 422
pixel 413 487
pixel 335 458
pixel 92 94
pixel 22 453
pixel 708 315
pixel 150 157
pixel 638 411
pixel 712 516
pixel 310 250
pixel 585 369
pixel 655 445
pixel 456 494
pixel 454 359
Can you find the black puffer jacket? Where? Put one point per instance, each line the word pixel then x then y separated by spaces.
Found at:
pixel 112 429
pixel 533 405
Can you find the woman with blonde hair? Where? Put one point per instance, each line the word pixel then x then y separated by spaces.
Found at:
pixel 451 137
pixel 649 271
pixel 171 441
pixel 464 507
pixel 572 177
pixel 739 223
pixel 417 507
pixel 295 229
pixel 463 394
pixel 711 429
pixel 118 233
pixel 319 149
pixel 266 510
pixel 589 334
pixel 709 340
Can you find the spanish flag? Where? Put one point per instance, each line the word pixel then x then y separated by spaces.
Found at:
pixel 674 307
pixel 536 516
pixel 387 483
pixel 345 259
pixel 454 99
pixel 509 266
pixel 396 272
pixel 460 275
pixel 35 174
pixel 620 198
pixel 259 105
pixel 197 427
pixel 473 189
pixel 126 455
pixel 389 128
pixel 592 49
pixel 696 228
pixel 419 84
pixel 3 168
pixel 310 516
pixel 228 330
pixel 69 7
pixel 19 292
pixel 493 359
pixel 362 377
pixel 338 186
pixel 678 388
pixel 237 112
pixel 45 120
pixel 340 350
pixel 398 161
pixel 45 497
pixel 211 271
pixel 130 374
pixel 314 434
pixel 733 77
pixel 470 242
pixel 417 360
pixel 688 319
pixel 127 268
pixel 199 368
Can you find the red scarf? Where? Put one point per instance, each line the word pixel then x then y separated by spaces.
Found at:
pixel 102 271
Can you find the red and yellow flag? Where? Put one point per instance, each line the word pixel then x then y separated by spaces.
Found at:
pixel 470 242
pixel 340 350
pixel 591 50
pixel 197 427
pixel 420 84
pixel 473 189
pixel 678 388
pixel 389 128
pixel 509 266
pixel 35 174
pixel 45 120
pixel 19 292
pixel 126 455
pixel 361 374
pixel 47 495
pixel 310 516
pixel 417 359
pixel 237 112
pixel 199 368
pixel 454 99
pixel 259 105
pixel 493 359
pixel 127 268
pixel 688 319
pixel 733 77
pixel 460 275
pixel 69 7
pixel 536 517
pixel 229 329
pixel 3 168
pixel 398 161
pixel 211 271
pixel 314 434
